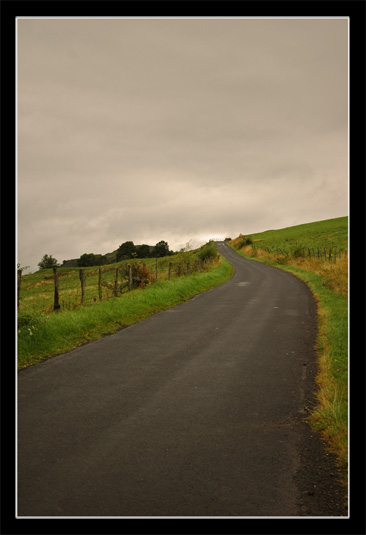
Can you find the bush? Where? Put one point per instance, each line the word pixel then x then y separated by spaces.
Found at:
pixel 141 276
pixel 244 241
pixel 207 252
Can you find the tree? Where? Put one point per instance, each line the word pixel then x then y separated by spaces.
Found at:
pixel 126 250
pixel 90 259
pixel 143 251
pixel 187 248
pixel 48 262
pixel 161 249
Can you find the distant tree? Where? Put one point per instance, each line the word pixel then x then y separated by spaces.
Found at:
pixel 143 251
pixel 188 247
pixel 85 260
pixel 126 250
pixel 90 259
pixel 160 249
pixel 48 262
pixel 73 262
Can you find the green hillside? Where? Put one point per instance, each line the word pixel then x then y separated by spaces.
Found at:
pixel 329 234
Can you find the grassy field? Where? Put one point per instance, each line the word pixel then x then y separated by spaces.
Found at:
pixel 37 289
pixel 328 280
pixel 329 234
pixel 43 333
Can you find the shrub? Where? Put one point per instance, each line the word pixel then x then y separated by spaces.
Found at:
pixel 141 276
pixel 207 252
pixel 244 241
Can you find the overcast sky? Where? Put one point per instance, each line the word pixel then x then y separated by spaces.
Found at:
pixel 176 130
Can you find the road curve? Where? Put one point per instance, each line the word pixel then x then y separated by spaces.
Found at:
pixel 196 411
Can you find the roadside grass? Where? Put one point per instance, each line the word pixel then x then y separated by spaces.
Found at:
pixel 42 335
pixel 329 285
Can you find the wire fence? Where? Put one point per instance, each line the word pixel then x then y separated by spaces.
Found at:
pixel 330 254
pixel 69 288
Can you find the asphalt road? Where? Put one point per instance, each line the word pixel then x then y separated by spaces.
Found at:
pixel 196 411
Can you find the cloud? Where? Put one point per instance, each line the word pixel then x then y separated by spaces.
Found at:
pixel 176 129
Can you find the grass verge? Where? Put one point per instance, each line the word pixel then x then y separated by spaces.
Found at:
pixel 330 415
pixel 41 336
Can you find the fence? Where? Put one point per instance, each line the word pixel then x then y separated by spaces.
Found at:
pixel 301 252
pixel 83 286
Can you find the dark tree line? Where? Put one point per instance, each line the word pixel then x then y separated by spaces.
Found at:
pixel 125 251
pixel 128 250
pixel 90 259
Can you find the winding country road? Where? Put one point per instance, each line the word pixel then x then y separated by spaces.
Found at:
pixel 196 411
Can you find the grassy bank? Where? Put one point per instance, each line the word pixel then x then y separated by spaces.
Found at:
pixel 328 282
pixel 331 234
pixel 42 335
pixel 37 289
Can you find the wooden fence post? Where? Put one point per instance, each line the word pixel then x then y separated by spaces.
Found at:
pixel 19 281
pixel 82 280
pixel 116 284
pixel 56 305
pixel 170 270
pixel 129 277
pixel 100 283
pixel 156 270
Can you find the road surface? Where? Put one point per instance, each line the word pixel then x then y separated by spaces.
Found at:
pixel 196 411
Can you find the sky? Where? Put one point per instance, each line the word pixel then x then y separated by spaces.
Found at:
pixel 179 130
